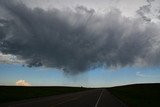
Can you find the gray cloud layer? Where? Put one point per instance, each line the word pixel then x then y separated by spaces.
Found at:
pixel 150 11
pixel 76 40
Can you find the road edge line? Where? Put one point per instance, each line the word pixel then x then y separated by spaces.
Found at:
pixel 99 98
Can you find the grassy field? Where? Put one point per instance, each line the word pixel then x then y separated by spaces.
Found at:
pixel 140 95
pixel 14 93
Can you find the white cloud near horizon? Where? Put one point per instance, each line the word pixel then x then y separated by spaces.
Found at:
pixel 22 83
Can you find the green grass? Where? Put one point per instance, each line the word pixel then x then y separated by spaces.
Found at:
pixel 14 93
pixel 140 95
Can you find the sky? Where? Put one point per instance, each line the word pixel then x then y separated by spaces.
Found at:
pixel 100 43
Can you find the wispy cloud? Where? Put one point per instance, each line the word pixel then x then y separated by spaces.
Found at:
pixel 139 74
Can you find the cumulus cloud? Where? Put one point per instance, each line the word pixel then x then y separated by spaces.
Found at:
pixel 75 40
pixel 22 83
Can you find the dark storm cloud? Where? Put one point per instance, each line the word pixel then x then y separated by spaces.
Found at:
pixel 76 40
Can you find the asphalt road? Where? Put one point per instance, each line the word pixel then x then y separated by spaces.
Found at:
pixel 90 98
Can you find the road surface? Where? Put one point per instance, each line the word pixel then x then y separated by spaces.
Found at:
pixel 90 98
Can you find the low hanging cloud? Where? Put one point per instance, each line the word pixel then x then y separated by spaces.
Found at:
pixel 76 40
pixel 9 59
pixel 22 83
